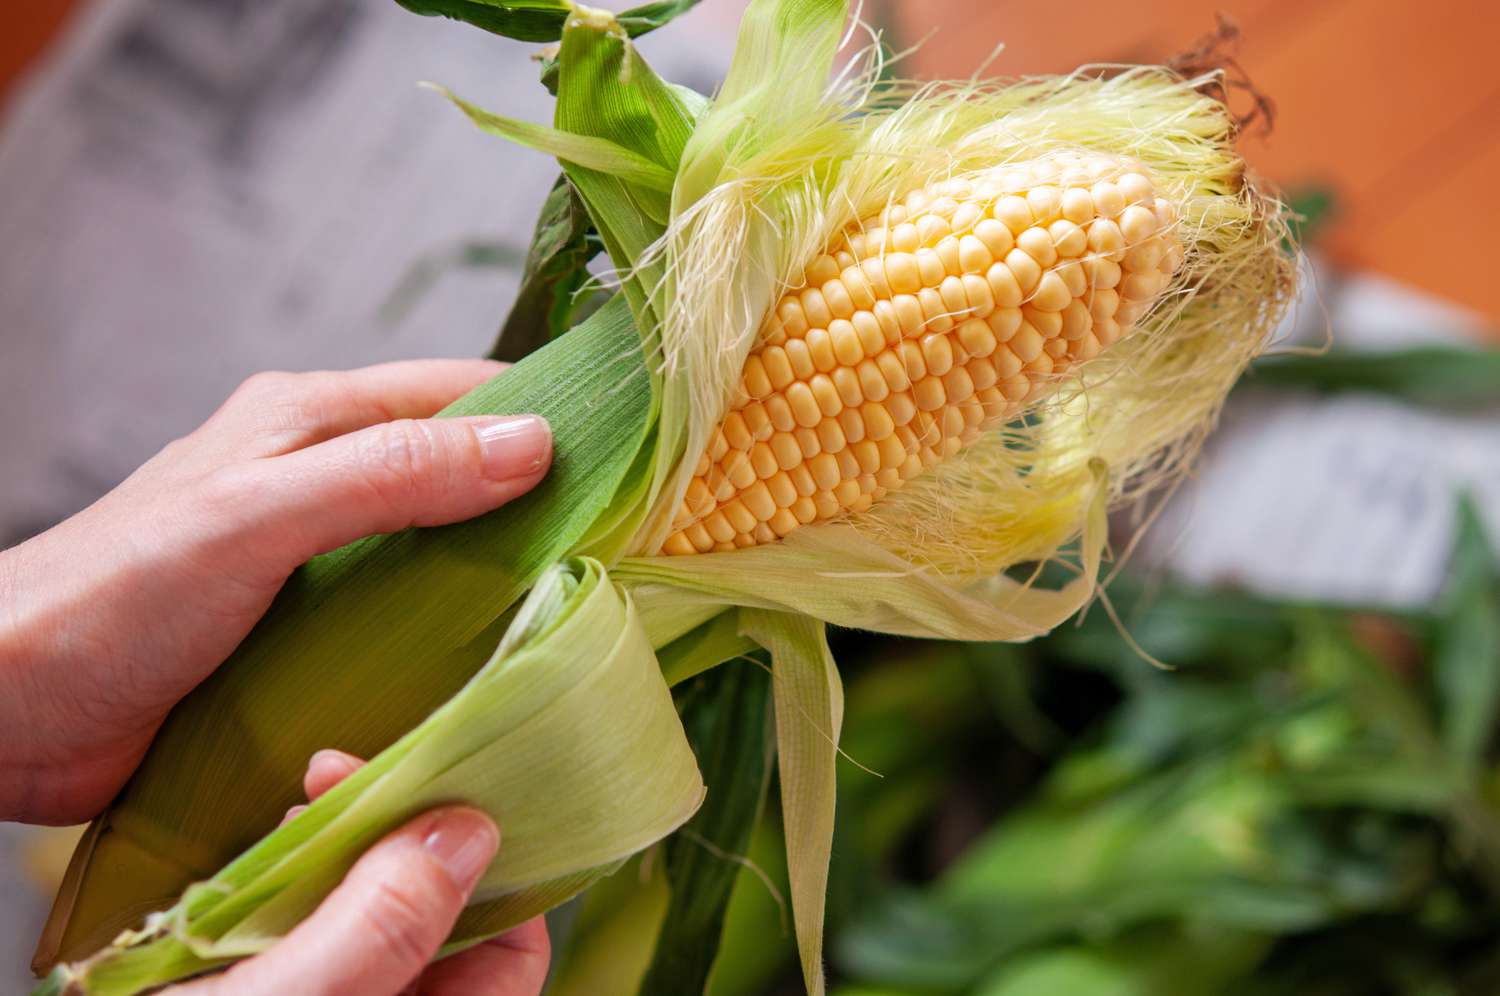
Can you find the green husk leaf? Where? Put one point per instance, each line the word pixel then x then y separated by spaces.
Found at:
pixel 541 20
pixel 809 705
pixel 575 668
pixel 728 720
pixel 833 573
pixel 550 296
pixel 607 91
pixel 588 151
pixel 397 623
pixel 705 646
pixel 649 16
pixel 523 20
pixel 782 58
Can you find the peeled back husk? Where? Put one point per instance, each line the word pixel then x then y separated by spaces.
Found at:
pixel 562 734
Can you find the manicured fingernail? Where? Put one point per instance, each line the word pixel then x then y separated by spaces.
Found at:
pixel 514 445
pixel 464 841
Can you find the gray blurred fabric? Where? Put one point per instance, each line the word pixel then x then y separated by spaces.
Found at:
pixel 195 190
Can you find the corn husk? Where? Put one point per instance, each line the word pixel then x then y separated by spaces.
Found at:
pixel 708 209
pixel 575 667
pixel 360 647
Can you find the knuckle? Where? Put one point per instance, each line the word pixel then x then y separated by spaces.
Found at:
pixel 281 402
pixel 221 494
pixel 403 456
pixel 403 926
pixel 261 387
pixel 272 404
pixel 341 389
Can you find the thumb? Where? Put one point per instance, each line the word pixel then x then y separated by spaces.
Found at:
pixel 410 472
pixel 376 932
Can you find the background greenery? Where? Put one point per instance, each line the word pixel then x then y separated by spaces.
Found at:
pixel 1305 802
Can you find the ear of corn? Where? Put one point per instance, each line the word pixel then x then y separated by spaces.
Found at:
pixel 1045 287
pixel 918 330
pixel 930 557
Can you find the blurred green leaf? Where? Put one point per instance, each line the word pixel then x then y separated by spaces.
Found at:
pixel 423 275
pixel 1182 628
pixel 1005 678
pixel 727 715
pixel 1191 962
pixel 550 300
pixel 1312 209
pixel 1392 708
pixel 1440 376
pixel 1466 652
pixel 1189 842
pixel 1377 782
pixel 541 20
pixel 1205 800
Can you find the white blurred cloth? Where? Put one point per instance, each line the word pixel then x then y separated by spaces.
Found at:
pixel 1350 498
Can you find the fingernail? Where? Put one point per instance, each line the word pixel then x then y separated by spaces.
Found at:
pixel 514 446
pixel 328 758
pixel 464 841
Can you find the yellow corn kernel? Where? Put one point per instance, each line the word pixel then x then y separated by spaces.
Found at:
pixel 920 328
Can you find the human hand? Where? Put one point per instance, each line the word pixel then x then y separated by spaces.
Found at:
pixel 376 932
pixel 109 618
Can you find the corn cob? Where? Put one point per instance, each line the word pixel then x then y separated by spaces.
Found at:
pixel 920 328
pixel 704 207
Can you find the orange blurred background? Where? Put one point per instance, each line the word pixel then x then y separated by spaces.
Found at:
pixel 1394 106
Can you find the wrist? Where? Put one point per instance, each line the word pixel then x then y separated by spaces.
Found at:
pixel 54 765
pixel 18 708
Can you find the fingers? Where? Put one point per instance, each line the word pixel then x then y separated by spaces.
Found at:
pixel 275 413
pixel 408 473
pixel 378 480
pixel 327 768
pixel 513 964
pixel 377 931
